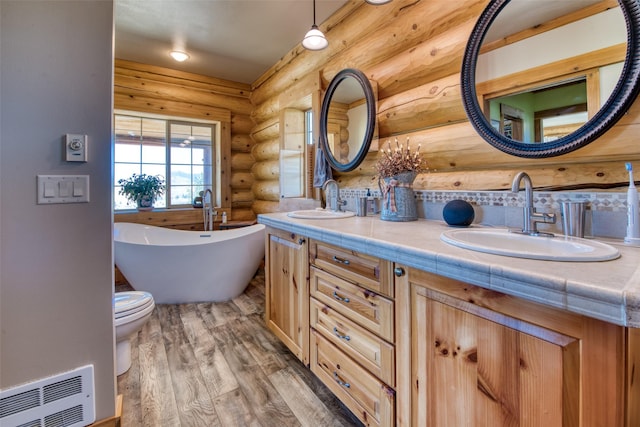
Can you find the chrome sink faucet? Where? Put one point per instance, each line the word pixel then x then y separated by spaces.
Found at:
pixel 334 202
pixel 531 217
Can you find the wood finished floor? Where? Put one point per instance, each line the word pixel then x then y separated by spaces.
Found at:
pixel 216 364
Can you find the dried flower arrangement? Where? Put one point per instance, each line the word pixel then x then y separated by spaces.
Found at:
pixel 395 161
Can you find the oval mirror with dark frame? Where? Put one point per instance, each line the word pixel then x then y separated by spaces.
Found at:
pixel 503 128
pixel 347 119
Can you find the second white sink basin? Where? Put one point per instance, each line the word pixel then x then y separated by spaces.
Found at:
pixel 503 242
pixel 319 214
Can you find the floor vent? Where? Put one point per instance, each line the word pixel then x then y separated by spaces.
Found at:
pixel 63 400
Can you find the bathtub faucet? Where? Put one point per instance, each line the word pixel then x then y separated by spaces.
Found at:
pixel 209 214
pixel 335 202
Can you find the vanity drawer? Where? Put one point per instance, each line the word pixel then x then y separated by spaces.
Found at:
pixel 370 272
pixel 366 308
pixel 365 395
pixel 369 350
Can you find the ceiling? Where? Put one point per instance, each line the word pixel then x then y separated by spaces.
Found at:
pixel 239 40
pixel 236 40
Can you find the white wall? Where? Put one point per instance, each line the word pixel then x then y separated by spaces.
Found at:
pixel 56 268
pixel 357 128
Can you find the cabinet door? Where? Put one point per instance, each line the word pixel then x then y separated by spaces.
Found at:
pixel 469 356
pixel 287 290
pixel 474 372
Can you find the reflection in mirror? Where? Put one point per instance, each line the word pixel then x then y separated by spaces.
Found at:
pixel 347 120
pixel 544 81
pixel 541 114
pixel 522 115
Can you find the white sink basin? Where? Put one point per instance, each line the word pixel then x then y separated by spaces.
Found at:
pixel 503 242
pixel 319 213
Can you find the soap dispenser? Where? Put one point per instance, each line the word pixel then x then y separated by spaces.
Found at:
pixel 371 203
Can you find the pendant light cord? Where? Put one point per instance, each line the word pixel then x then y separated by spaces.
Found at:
pixel 314 13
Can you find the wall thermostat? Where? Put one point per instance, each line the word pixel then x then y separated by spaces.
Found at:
pixel 75 148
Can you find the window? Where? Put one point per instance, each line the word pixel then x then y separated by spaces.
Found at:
pixel 182 152
pixel 308 120
pixel 296 169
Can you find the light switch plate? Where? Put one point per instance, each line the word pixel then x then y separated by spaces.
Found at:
pixel 54 189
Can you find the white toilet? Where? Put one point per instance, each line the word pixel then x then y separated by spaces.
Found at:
pixel 132 310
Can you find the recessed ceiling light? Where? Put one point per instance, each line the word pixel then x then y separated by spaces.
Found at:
pixel 179 56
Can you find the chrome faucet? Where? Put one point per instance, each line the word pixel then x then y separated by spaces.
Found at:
pixel 335 202
pixel 531 217
pixel 208 213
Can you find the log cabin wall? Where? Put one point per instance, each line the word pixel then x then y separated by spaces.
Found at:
pixel 151 89
pixel 413 51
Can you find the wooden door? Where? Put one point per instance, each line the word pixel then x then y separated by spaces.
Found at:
pixel 287 290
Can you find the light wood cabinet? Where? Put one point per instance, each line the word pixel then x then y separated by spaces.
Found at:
pixel 287 290
pixel 469 356
pixel 420 349
pixel 352 330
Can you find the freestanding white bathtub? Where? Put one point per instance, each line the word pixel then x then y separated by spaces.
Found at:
pixel 178 266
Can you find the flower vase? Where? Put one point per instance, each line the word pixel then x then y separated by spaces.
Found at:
pixel 144 204
pixel 398 199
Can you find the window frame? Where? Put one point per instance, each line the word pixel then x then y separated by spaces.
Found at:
pixel 170 163
pixel 216 156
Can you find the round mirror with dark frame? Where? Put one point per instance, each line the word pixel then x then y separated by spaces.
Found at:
pixel 347 119
pixel 498 134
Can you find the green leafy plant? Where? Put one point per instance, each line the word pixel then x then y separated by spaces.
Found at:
pixel 143 187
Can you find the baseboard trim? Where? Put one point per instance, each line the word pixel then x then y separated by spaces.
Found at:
pixel 112 421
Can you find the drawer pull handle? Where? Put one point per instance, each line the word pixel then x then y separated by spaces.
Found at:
pixel 344 337
pixel 341 260
pixel 339 298
pixel 339 381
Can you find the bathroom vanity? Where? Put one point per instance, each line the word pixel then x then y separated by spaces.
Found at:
pixel 408 330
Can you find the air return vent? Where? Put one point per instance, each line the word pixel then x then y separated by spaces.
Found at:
pixel 63 400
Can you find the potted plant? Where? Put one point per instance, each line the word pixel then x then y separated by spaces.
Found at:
pixel 142 189
pixel 397 169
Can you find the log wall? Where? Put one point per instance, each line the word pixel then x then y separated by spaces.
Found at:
pixel 413 51
pixel 150 89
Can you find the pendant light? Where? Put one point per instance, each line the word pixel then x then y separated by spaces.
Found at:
pixel 378 2
pixel 314 39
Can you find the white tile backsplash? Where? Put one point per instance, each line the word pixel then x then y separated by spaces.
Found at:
pixel 606 213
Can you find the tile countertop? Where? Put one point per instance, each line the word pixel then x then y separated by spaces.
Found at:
pixel 608 291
